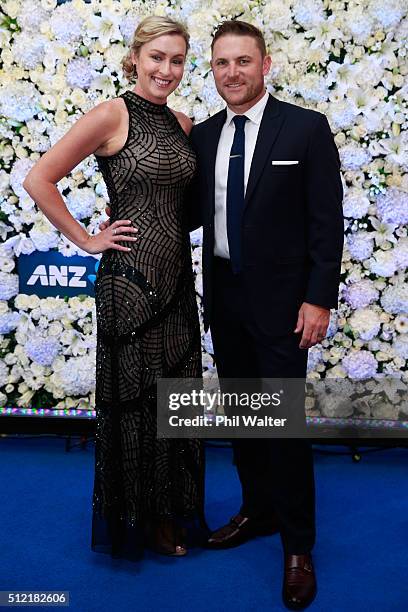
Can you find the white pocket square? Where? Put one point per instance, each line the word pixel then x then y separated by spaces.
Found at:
pixel 276 162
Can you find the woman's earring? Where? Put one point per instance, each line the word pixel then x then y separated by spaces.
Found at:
pixel 134 71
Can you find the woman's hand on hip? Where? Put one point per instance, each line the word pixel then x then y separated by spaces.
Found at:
pixel 110 237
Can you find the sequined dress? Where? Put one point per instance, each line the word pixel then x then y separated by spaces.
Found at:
pixel 147 327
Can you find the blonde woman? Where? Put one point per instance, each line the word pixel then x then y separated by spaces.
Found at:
pixel 147 492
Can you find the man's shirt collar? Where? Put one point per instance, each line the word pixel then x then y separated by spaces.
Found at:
pixel 254 114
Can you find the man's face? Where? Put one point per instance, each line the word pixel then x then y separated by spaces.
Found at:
pixel 239 69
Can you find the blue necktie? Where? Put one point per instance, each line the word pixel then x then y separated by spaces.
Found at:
pixel 236 193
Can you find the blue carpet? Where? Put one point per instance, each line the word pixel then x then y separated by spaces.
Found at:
pixel 361 556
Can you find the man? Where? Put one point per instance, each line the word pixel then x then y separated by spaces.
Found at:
pixel 270 198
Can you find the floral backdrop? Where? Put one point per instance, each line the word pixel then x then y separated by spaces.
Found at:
pixel 345 59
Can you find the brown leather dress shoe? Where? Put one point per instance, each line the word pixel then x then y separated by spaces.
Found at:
pixel 239 530
pixel 299 583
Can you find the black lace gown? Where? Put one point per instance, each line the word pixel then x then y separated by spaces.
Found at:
pixel 148 492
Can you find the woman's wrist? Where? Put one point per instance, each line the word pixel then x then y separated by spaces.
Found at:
pixel 83 240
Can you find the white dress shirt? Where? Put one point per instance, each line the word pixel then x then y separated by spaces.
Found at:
pixel 254 115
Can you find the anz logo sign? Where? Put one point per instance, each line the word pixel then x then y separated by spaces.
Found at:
pixel 58 275
pixel 53 274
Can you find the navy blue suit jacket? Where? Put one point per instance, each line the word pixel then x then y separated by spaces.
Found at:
pixel 292 229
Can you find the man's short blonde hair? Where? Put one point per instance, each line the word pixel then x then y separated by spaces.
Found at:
pixel 240 28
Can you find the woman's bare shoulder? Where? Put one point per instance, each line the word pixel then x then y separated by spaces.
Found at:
pixel 110 111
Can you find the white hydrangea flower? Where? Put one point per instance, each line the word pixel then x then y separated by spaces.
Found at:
pixel 383 263
pixel 333 324
pixel 8 285
pixel 360 365
pixel 77 376
pixel 9 322
pixel 200 113
pixel 128 25
pixel 210 98
pixel 359 24
pixel 79 73
pixel 395 299
pixel 400 346
pixel 19 101
pixel 196 237
pixel 207 343
pixel 21 168
pixel 277 15
pixel 28 49
pixel 365 322
pixel 308 13
pixel 400 252
pixel 4 372
pixel 43 237
pixel 42 350
pixel 392 206
pixel 355 203
pixel 66 24
pixel 354 157
pixel 31 15
pixel 4 182
pixel 312 87
pixel 388 13
pixel 341 114
pixel 314 357
pixel 360 245
pixel 360 294
pixel 81 203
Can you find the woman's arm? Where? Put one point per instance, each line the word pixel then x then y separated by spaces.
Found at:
pixel 100 131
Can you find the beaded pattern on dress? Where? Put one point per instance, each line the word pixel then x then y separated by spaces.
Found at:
pixel 148 327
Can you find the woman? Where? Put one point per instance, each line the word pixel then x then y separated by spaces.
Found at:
pixel 147 492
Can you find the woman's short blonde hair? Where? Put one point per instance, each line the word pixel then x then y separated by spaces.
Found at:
pixel 147 30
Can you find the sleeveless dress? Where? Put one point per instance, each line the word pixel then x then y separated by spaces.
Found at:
pixel 146 490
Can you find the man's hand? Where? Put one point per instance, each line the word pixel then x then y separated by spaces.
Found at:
pixel 314 321
pixel 105 224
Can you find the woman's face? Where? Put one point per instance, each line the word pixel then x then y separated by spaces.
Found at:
pixel 160 66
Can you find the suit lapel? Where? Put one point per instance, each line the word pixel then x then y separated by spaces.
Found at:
pixel 213 137
pixel 269 129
